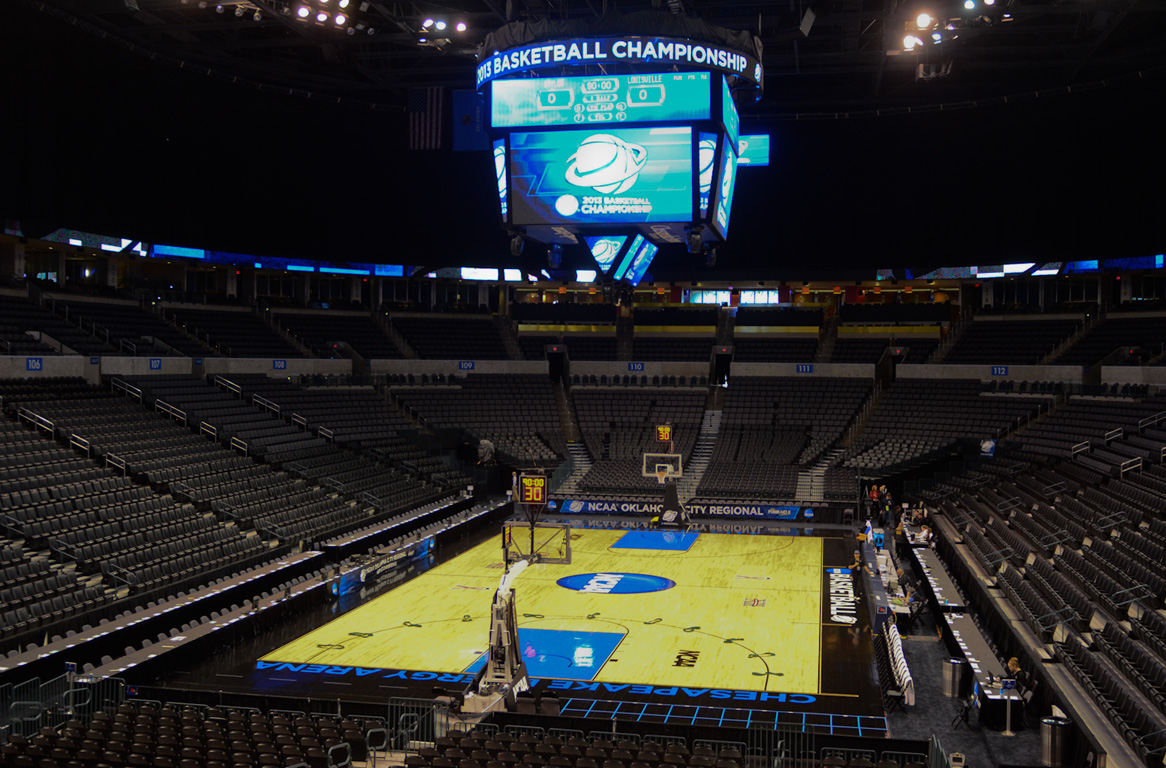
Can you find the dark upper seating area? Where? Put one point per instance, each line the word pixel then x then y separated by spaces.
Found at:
pixel 579 346
pixel 1145 335
pixel 859 350
pixel 563 313
pixel 232 333
pixel 1092 422
pixel 515 412
pixel 320 331
pixel 436 337
pixel 130 329
pixel 748 317
pixel 676 316
pixel 618 426
pixel 877 314
pixel 25 315
pixel 1010 342
pixel 775 349
pixel 769 426
pixel 673 347
pixel 917 417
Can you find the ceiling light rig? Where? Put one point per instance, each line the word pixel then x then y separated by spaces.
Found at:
pixel 438 32
pixel 930 26
pixel 346 15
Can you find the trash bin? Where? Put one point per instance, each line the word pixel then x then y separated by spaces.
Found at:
pixel 1055 735
pixel 953 678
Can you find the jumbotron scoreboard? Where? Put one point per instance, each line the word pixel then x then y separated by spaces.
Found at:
pixel 619 161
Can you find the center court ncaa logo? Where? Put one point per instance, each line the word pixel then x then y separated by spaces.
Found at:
pixel 615 583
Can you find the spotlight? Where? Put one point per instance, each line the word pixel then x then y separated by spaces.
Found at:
pixel 910 41
pixel 423 40
pixel 303 11
pixel 321 17
pixel 427 24
pixel 937 37
pixel 344 3
pixel 970 4
pixel 202 4
pixel 238 11
pixel 371 31
pixel 258 16
pixel 461 25
pixel 340 19
pixel 440 25
pixel 218 9
pixel 989 2
pixel 924 20
pixel 350 31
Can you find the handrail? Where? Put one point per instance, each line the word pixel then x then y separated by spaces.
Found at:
pixel 1138 591
pixel 133 348
pixel 333 483
pixel 266 404
pixel 227 384
pixel 121 574
pixel 1050 620
pixel 1151 421
pixel 206 428
pixel 1054 489
pixel 81 444
pixel 1130 465
pixel 115 461
pixel 129 389
pixel 1080 448
pixel 174 412
pixel 299 420
pixel 36 421
pixel 240 445
pixel 327 434
pixel 184 489
pixel 10 523
pixel 1110 522
pixel 1051 540
pixel 1114 434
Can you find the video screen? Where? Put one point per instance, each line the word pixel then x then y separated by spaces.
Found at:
pixel 637 243
pixel 706 158
pixel 640 263
pixel 630 175
pixel 729 116
pixel 605 249
pixel 727 182
pixel 500 171
pixel 753 150
pixel 605 100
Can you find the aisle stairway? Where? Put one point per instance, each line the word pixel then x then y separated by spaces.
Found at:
pixel 812 481
pixel 702 453
pixel 578 454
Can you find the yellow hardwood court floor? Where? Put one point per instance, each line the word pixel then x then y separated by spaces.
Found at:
pixel 744 614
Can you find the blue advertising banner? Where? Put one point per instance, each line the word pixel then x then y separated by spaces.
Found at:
pixel 614 507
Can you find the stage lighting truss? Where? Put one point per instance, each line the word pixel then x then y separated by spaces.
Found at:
pixel 347 16
pixel 930 26
pixel 437 31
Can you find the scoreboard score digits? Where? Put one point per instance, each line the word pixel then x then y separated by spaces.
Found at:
pixel 532 489
pixel 602 100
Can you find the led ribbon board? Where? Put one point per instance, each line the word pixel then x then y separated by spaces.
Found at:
pixel 575 101
pixel 753 150
pixel 601 176
pixel 641 262
pixel 729 116
pixel 648 51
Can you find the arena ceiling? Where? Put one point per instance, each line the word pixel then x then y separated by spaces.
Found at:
pixel 1039 139
pixel 850 57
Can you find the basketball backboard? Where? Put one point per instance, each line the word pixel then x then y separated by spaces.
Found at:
pixel 662 466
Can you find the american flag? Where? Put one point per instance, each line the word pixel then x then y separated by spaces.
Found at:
pixel 426 115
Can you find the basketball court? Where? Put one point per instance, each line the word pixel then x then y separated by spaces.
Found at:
pixel 718 620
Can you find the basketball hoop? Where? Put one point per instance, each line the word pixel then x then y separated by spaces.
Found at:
pixel 662 476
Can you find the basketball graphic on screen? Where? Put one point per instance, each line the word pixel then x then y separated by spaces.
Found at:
pixel 500 168
pixel 705 152
pixel 606 163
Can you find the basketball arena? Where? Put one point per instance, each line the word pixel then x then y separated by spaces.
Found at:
pixel 529 384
